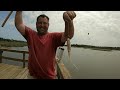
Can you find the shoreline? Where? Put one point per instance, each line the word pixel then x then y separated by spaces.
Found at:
pixel 16 43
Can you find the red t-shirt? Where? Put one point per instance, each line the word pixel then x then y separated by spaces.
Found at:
pixel 42 51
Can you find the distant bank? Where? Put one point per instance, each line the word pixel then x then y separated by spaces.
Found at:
pixel 12 43
pixel 16 43
pixel 102 48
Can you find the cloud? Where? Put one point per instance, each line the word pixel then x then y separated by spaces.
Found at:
pixel 102 26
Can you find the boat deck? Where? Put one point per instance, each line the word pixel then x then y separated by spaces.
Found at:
pixel 12 72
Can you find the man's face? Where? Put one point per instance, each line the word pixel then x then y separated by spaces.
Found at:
pixel 42 25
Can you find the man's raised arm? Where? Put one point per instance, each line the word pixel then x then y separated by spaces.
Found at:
pixel 69 26
pixel 19 22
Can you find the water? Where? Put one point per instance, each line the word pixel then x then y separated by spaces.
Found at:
pixel 91 64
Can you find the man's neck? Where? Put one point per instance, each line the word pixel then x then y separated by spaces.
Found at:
pixel 41 34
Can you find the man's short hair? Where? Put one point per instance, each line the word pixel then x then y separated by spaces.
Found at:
pixel 42 15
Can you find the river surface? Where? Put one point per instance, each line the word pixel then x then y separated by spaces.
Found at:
pixel 85 63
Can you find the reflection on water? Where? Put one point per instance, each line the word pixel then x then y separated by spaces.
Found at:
pixel 91 64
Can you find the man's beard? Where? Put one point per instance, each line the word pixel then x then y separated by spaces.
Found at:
pixel 41 31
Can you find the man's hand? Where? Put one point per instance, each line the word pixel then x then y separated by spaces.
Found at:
pixel 68 16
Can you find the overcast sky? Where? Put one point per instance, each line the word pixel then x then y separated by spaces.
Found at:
pixel 100 28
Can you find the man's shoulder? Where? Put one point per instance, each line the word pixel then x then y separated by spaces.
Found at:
pixel 29 29
pixel 55 33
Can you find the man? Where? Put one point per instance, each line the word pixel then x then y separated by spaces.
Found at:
pixel 42 45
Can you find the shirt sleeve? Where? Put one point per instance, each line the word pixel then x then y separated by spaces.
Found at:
pixel 57 39
pixel 29 34
pixel 27 29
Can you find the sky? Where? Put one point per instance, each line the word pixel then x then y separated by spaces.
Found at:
pixel 98 28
